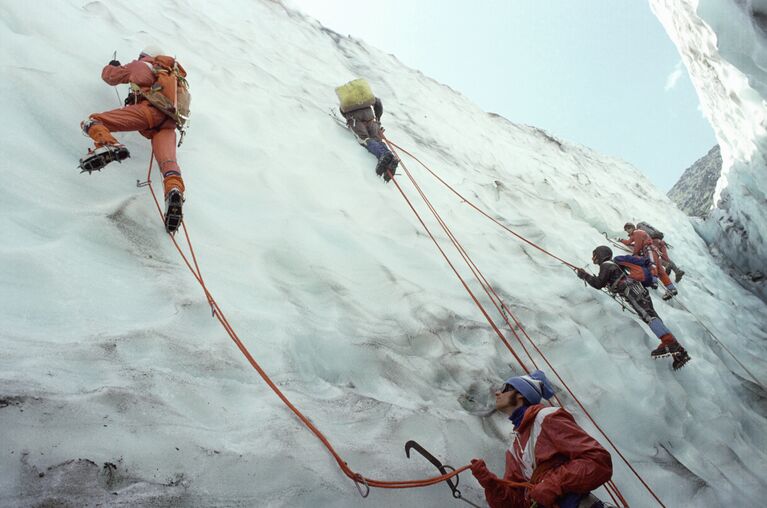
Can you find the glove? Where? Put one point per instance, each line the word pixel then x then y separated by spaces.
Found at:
pixel 542 495
pixel 114 63
pixel 582 274
pixel 479 470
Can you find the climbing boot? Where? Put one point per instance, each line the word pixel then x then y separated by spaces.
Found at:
pixel 675 348
pixel 101 156
pixel 662 351
pixel 680 359
pixel 391 170
pixel 679 275
pixel 383 163
pixel 173 216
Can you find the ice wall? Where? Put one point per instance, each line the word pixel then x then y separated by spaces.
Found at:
pixel 723 43
pixel 117 387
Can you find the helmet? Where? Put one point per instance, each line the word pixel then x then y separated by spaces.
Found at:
pixel 151 50
pixel 602 254
pixel 627 226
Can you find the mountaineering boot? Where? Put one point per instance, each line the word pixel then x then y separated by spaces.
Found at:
pixel 391 170
pixel 675 348
pixel 661 351
pixel 173 203
pixel 101 156
pixel 671 292
pixel 679 275
pixel 680 359
pixel 383 163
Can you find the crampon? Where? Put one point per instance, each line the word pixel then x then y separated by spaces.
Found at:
pixel 101 156
pixel 173 215
pixel 680 360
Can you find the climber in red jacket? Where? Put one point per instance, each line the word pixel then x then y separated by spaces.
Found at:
pixel 643 246
pixel 142 115
pixel 549 450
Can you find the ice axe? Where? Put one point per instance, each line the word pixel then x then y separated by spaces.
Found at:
pixel 119 100
pixel 443 468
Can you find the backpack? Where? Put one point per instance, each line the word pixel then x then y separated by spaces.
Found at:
pixel 354 95
pixel 639 269
pixel 170 91
pixel 655 234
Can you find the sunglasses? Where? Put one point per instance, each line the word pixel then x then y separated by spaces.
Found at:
pixel 507 388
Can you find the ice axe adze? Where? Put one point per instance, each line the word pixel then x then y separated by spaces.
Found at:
pixel 444 469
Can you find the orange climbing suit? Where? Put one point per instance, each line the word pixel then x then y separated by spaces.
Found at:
pixel 142 117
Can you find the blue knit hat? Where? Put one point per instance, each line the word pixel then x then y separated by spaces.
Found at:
pixel 533 387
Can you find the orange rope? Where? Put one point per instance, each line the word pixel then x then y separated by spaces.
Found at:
pixel 356 477
pixel 509 483
pixel 486 286
pixel 489 289
pixel 463 282
pixel 467 201
pixel 610 484
pixel 219 315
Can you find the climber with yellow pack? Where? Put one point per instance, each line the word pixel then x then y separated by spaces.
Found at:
pixel 363 111
pixel 157 105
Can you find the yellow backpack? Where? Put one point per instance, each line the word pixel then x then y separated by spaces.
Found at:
pixel 355 95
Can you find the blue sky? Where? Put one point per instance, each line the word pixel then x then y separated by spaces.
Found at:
pixel 602 73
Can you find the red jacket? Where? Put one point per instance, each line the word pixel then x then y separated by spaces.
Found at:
pixel 640 240
pixel 566 460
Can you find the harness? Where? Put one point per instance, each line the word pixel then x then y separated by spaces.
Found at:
pixel 615 286
pixel 630 290
pixel 351 122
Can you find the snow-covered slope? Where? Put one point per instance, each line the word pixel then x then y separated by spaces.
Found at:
pixel 117 387
pixel 723 43
pixel 693 193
